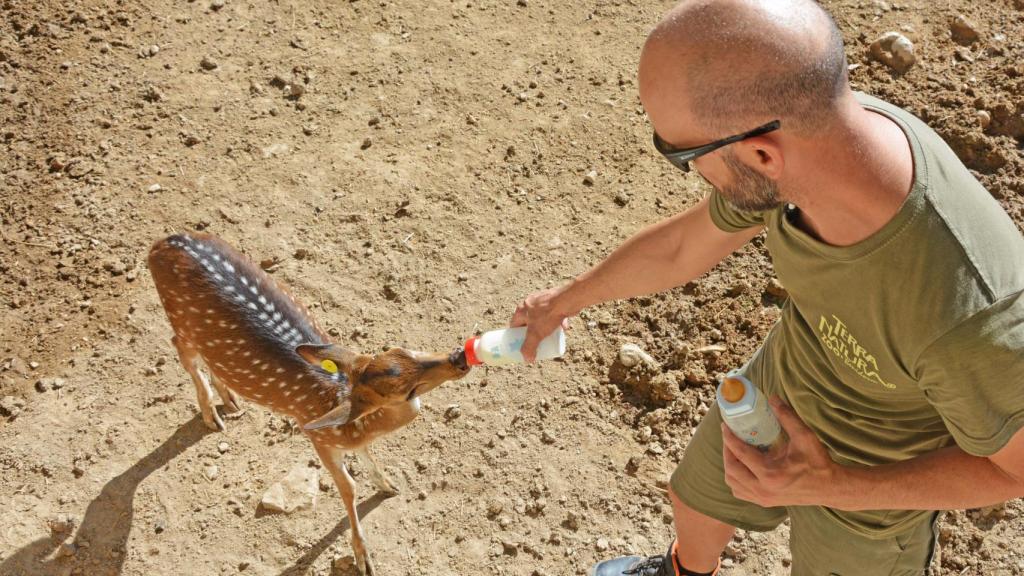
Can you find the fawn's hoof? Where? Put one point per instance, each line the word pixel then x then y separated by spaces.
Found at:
pixel 214 422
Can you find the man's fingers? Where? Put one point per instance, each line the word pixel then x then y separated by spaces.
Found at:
pixel 519 317
pixel 746 454
pixel 790 422
pixel 529 348
pixel 736 472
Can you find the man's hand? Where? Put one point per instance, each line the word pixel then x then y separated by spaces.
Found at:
pixel 801 473
pixel 541 313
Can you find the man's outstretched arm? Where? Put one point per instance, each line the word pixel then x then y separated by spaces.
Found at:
pixel 661 256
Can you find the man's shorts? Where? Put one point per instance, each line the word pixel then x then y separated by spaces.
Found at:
pixel 818 544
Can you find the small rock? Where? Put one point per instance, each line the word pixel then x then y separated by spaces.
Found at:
pixel 208 63
pixel 776 289
pixel 297 491
pixel 223 447
pixel 452 412
pixel 244 565
pixel 963 31
pixel 301 254
pixel 67 549
pixel 61 524
pixel 547 438
pixel 11 406
pixel 631 355
pixel 422 495
pixel 211 472
pixel 601 545
pixel 894 50
pixel 622 199
pixel 44 384
pixel 153 188
pixel 984 118
pixel 738 289
pixel 367 142
pixel 153 50
pixel 216 5
pixel 275 150
pixel 462 277
pixel 590 178
pixel 521 3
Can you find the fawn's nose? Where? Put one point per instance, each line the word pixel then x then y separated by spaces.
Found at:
pixel 458 359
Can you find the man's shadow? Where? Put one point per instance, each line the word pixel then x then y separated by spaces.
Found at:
pixel 103 533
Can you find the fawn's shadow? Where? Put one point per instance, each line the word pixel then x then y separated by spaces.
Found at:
pixel 301 566
pixel 103 534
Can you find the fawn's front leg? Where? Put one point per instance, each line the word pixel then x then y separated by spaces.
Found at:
pixel 333 459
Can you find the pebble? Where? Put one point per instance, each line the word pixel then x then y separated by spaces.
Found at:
pixel 452 412
pixel 601 545
pixel 894 50
pixel 44 384
pixel 984 118
pixel 776 289
pixel 11 406
pixel 61 524
pixel 211 472
pixel 631 355
pixel 217 5
pixel 154 188
pixel 208 63
pixel 297 491
pixel 367 142
pixel 622 199
pixel 547 438
pixel 223 447
pixel 963 31
pixel 590 178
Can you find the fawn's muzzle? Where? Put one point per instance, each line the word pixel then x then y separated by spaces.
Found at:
pixel 458 359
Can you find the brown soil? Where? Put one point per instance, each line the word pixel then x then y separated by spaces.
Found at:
pixel 416 168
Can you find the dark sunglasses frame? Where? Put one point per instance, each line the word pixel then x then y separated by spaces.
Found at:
pixel 680 158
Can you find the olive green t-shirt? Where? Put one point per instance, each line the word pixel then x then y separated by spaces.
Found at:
pixel 908 341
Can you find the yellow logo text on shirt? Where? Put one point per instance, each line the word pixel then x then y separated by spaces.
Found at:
pixel 835 336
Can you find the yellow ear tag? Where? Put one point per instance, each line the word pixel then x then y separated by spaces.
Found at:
pixel 329 366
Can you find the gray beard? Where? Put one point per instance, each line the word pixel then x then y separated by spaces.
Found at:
pixel 750 191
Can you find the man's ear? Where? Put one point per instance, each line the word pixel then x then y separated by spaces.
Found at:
pixel 351 408
pixel 762 153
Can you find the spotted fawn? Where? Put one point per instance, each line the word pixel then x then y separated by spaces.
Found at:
pixel 256 341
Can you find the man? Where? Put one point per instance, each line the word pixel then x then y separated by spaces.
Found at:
pixel 897 367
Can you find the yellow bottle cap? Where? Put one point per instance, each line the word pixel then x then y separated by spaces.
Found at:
pixel 733 390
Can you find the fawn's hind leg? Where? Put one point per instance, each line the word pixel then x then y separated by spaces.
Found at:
pixel 333 459
pixel 383 483
pixel 232 403
pixel 190 360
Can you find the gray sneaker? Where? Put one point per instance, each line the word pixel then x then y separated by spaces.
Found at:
pixel 636 566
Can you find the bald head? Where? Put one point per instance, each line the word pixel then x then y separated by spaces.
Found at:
pixel 726 66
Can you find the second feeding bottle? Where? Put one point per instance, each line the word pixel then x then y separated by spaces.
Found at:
pixel 745 410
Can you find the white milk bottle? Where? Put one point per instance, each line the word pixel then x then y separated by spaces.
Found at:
pixel 499 347
pixel 745 410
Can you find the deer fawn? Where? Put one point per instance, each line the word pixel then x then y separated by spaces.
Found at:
pixel 257 342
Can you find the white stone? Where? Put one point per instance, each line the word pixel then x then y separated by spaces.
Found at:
pixel 631 355
pixel 297 491
pixel 894 50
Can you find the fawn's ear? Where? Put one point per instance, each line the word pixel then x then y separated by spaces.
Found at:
pixel 348 410
pixel 331 358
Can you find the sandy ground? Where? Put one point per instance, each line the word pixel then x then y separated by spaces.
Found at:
pixel 415 169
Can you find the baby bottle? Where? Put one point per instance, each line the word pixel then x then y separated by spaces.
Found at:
pixel 745 410
pixel 499 347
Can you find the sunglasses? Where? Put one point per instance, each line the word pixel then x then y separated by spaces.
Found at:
pixel 680 158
